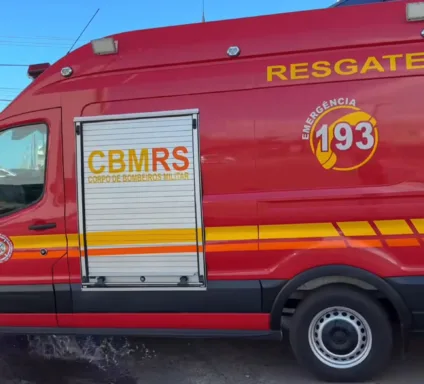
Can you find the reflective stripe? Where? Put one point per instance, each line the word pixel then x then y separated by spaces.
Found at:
pixel 297 231
pixel 393 227
pixel 356 228
pixel 231 238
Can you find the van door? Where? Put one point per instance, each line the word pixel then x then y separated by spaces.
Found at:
pixel 32 219
pixel 140 200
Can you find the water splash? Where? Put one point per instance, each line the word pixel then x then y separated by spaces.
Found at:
pixel 104 352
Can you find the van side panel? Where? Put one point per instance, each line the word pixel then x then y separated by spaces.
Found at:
pixel 230 169
pixel 292 187
pixel 370 216
pixel 271 207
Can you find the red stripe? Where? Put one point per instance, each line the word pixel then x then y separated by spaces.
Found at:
pixel 222 321
pixel 28 320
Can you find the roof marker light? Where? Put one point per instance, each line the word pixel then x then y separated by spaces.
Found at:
pixel 415 11
pixel 66 71
pixel 233 51
pixel 105 46
pixel 35 70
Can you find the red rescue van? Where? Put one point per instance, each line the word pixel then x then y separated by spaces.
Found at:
pixel 256 177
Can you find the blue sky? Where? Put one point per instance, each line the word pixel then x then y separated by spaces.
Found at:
pixel 43 31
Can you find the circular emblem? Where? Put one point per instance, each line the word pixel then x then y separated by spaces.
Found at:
pixel 6 248
pixel 341 135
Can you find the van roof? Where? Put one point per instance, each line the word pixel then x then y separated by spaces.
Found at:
pixel 296 32
pixel 342 3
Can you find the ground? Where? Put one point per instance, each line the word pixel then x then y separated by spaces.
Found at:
pixel 50 360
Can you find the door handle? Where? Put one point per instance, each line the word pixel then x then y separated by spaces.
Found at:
pixel 42 227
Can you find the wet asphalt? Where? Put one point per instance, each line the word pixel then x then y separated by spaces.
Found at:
pixel 69 360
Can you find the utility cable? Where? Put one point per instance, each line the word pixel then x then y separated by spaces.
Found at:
pixel 51 38
pixel 14 65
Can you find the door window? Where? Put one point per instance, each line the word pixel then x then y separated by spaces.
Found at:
pixel 23 153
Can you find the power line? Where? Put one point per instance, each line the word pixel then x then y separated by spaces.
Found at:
pixel 32 44
pixel 36 42
pixel 9 95
pixel 51 38
pixel 21 41
pixel 54 47
pixel 14 65
pixel 50 41
pixel 11 41
pixel 6 100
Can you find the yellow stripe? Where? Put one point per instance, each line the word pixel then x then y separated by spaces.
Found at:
pixel 231 233
pixel 236 233
pixel 39 241
pixel 156 236
pixel 393 227
pixel 297 231
pixel 418 224
pixel 73 240
pixel 200 236
pixel 356 228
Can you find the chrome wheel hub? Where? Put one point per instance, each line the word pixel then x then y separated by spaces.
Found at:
pixel 340 337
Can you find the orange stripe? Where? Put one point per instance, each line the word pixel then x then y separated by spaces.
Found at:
pixel 302 245
pixel 142 250
pixel 232 247
pixel 253 246
pixel 365 243
pixel 31 255
pixel 225 247
pixel 406 242
pixel 74 252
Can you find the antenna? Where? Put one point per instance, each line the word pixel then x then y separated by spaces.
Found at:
pixel 203 11
pixel 73 45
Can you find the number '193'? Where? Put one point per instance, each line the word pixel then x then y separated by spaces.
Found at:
pixel 343 134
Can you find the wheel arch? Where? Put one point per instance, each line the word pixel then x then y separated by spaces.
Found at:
pixel 349 272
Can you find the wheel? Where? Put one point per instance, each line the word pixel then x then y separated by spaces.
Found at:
pixel 341 334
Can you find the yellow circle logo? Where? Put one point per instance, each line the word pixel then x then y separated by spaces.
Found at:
pixel 342 137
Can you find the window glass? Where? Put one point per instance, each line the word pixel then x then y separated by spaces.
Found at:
pixel 22 166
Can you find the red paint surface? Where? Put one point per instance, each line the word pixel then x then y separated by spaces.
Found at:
pixel 50 209
pixel 256 168
pixel 27 320
pixel 217 321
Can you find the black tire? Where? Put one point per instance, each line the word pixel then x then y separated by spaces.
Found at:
pixel 349 298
